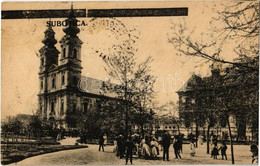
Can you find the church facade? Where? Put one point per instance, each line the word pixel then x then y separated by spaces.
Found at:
pixel 60 75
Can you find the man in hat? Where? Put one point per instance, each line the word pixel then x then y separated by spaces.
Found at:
pixel 101 143
pixel 166 144
pixel 254 150
pixel 129 150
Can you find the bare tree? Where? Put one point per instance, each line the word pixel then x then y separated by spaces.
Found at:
pixel 144 93
pixel 132 82
pixel 238 20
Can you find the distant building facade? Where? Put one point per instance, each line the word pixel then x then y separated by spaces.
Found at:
pixel 198 92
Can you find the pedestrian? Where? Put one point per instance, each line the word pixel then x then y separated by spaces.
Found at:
pixel 254 150
pixel 119 146
pixel 177 147
pixel 160 143
pixel 101 143
pixel 146 153
pixel 129 150
pixel 211 144
pixel 105 140
pixel 115 147
pixel 215 151
pixel 166 144
pixel 154 148
pixel 223 149
pixel 192 147
pixel 201 140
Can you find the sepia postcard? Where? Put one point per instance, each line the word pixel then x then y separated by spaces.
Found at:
pixel 130 82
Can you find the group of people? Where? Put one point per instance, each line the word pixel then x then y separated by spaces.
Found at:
pixel 215 149
pixel 149 147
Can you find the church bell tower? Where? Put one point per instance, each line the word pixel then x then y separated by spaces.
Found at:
pixel 48 58
pixel 70 43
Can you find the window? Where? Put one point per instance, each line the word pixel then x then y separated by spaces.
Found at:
pixel 41 108
pixel 85 107
pixel 42 61
pixel 53 82
pixel 75 52
pixel 41 84
pixel 74 107
pixel 52 108
pixel 75 80
pixel 62 79
pixel 64 53
pixel 62 108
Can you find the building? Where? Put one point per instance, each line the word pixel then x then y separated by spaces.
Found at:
pixel 207 94
pixel 60 76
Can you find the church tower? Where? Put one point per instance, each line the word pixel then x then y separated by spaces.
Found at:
pixel 59 94
pixel 48 59
pixel 70 59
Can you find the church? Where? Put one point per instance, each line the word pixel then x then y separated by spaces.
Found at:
pixel 60 81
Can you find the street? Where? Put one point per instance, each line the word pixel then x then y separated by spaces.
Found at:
pixel 92 156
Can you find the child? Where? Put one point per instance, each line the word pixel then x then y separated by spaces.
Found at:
pixel 215 151
pixel 223 149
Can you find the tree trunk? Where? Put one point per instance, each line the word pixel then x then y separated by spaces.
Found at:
pixel 231 141
pixel 208 138
pixel 178 129
pixel 126 119
pixel 197 133
pixel 142 130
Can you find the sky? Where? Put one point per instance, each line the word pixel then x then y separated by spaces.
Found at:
pixel 21 41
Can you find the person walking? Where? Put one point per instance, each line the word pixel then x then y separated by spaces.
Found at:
pixel 166 144
pixel 101 143
pixel 223 149
pixel 119 146
pixel 176 147
pixel 129 150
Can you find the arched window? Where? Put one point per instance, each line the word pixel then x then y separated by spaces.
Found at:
pixel 52 108
pixel 86 105
pixel 75 80
pixel 53 82
pixel 75 53
pixel 41 84
pixel 62 108
pixel 64 53
pixel 74 107
pixel 42 61
pixel 41 108
pixel 62 79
